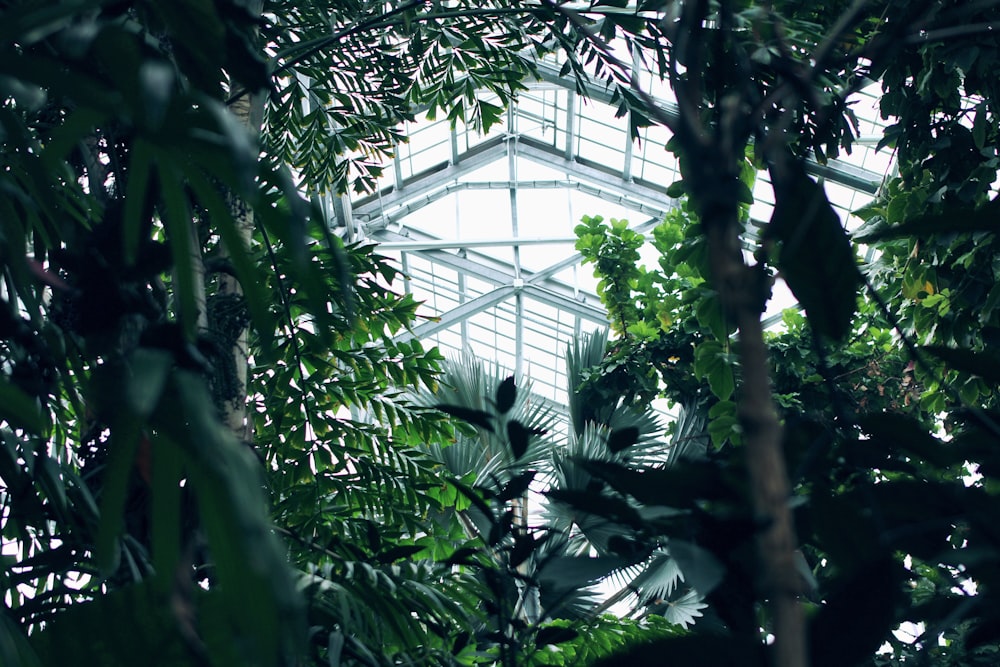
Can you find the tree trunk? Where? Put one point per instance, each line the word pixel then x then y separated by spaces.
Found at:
pixel 743 291
pixel 247 107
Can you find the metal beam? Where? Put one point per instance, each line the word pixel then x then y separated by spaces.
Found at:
pixel 484 268
pixel 489 151
pixel 412 246
pixel 498 272
pixel 834 170
pixel 544 274
pixel 405 208
pixel 460 314
pixel 578 307
pixel 570 124
pixel 633 195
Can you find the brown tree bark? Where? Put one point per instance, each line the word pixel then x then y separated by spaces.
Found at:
pixel 743 290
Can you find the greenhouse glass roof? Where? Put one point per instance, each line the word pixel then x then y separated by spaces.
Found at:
pixel 482 224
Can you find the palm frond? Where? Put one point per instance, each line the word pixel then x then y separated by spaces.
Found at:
pixel 583 353
pixel 468 382
pixel 393 611
pixel 690 439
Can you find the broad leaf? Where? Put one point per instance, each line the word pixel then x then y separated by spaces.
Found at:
pixel 702 570
pixel 952 220
pixel 983 364
pixel 517 486
pixel 856 616
pixel 471 415
pixel 19 409
pixel 815 258
pixel 506 395
pixel 623 438
pixel 553 634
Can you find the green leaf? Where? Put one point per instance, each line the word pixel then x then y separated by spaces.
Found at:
pixel 180 231
pixel 744 193
pixel 167 467
pixel 677 189
pixel 815 257
pixel 140 167
pixel 123 626
pixel 711 315
pixel 980 125
pixel 258 591
pixel 14 646
pixel 710 362
pixel 122 445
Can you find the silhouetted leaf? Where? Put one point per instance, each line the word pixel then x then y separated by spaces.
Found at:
pixel 506 395
pixel 19 409
pixel 896 432
pixel 517 486
pixel 552 634
pixel 471 415
pixel 706 650
pixel 627 547
pixel 598 505
pixel 14 646
pixel 399 552
pixel 987 629
pixel 679 486
pixel 524 546
pixel 518 436
pixel 856 616
pixel 702 571
pixel 623 438
pixel 571 572
pixel 462 556
pixel 952 220
pixel 983 364
pixel 816 258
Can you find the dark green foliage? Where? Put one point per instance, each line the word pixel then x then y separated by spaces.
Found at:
pixel 147 531
pixel 697 651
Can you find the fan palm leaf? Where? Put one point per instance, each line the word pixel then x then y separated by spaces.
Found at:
pixel 469 383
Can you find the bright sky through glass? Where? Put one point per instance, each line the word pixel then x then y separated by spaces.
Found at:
pixel 482 225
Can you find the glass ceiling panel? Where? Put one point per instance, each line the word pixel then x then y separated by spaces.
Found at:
pixel 483 224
